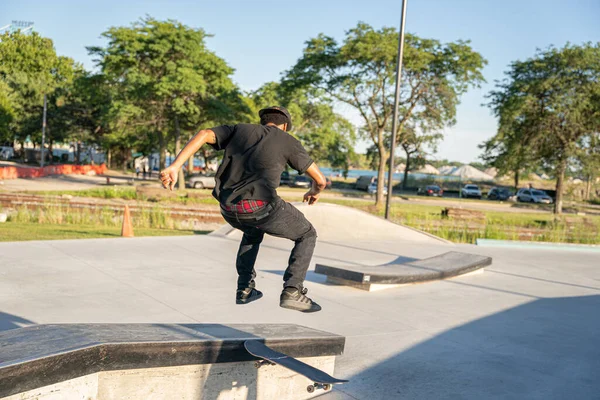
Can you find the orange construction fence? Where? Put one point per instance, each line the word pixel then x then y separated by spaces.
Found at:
pixel 33 172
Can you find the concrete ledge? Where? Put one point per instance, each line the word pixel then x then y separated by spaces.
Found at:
pixel 42 355
pixel 443 266
pixel 537 245
pixel 373 287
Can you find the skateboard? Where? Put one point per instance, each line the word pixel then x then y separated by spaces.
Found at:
pixel 320 379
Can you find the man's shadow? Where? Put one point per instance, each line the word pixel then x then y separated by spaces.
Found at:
pixel 9 321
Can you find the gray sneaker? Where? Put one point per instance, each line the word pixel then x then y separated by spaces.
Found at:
pixel 295 299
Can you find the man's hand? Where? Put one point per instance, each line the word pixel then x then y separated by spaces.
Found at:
pixel 318 184
pixel 168 177
pixel 311 197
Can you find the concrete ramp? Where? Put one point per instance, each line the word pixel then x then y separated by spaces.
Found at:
pixel 339 223
pixel 375 277
pixel 158 361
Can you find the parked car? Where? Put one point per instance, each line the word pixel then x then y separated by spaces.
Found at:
pixel 6 152
pixel 534 196
pixel 301 181
pixel 520 192
pixel 285 179
pixel 206 181
pixel 363 182
pixel 497 193
pixel 470 191
pixel 431 190
pixel 372 189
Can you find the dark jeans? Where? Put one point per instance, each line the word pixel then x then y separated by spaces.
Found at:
pixel 284 221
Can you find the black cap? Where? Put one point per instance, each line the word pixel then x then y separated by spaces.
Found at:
pixel 278 109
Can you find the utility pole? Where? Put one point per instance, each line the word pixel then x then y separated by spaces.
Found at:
pixel 43 130
pixel 396 102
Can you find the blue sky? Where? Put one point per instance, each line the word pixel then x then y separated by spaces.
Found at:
pixel 262 38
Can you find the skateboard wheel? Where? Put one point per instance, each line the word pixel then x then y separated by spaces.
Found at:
pixel 257 364
pixel 326 386
pixel 310 388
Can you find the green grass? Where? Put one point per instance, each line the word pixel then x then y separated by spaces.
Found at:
pixel 20 231
pixel 59 214
pixel 109 192
pixel 495 224
pixel 185 197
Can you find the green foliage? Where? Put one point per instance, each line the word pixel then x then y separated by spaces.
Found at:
pixel 29 70
pixel 546 106
pixel 166 81
pixel 360 73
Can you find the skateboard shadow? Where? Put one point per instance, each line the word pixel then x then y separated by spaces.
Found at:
pixel 10 321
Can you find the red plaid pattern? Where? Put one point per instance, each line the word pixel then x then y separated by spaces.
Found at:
pixel 246 206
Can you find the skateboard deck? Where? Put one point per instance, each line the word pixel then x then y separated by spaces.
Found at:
pixel 320 379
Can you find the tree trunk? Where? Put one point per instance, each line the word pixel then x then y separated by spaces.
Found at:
pixel 50 146
pixel 206 160
pixel 78 153
pixel 560 178
pixel 124 155
pixel 108 158
pixel 588 186
pixel 190 168
pixel 406 169
pixel 516 179
pixel 380 174
pixel 181 178
pixel 162 151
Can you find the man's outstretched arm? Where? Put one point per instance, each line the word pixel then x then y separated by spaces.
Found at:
pixel 319 184
pixel 169 175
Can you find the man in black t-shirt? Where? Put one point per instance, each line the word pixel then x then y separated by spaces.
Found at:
pixel 246 183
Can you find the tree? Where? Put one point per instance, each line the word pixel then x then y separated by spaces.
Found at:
pixel 361 73
pixel 7 112
pixel 166 79
pixel 508 151
pixel 588 160
pixel 30 69
pixel 414 145
pixel 547 105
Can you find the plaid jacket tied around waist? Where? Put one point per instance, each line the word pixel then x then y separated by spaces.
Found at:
pixel 245 206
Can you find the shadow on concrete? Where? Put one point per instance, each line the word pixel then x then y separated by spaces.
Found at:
pixel 215 383
pixel 9 321
pixel 545 349
pixel 543 280
pixel 354 247
pixel 402 260
pixel 311 276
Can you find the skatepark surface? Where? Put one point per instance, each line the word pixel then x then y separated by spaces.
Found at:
pixel 525 328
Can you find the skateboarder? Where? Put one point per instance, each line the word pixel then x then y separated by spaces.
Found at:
pixel 246 182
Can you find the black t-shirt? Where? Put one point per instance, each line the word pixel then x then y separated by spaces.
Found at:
pixel 255 156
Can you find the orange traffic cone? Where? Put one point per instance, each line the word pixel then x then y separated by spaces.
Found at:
pixel 127 229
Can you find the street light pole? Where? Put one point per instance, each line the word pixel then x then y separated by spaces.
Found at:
pixel 43 130
pixel 396 101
